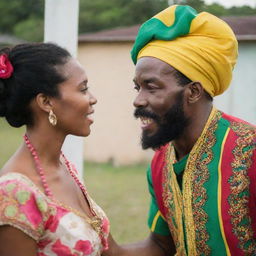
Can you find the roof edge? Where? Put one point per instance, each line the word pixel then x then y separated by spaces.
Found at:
pixel 111 39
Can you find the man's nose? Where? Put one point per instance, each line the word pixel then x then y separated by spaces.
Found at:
pixel 140 100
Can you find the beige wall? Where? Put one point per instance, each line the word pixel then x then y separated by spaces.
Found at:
pixel 115 133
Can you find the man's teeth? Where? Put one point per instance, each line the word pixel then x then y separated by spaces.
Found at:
pixel 146 121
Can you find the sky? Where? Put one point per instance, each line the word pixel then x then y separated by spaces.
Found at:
pixel 229 3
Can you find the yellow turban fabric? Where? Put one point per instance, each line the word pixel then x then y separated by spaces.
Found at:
pixel 201 46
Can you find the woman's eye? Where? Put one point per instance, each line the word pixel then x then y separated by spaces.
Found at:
pixel 137 88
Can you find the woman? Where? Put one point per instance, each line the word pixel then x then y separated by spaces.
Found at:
pixel 45 209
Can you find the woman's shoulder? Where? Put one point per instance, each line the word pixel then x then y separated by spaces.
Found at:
pixel 15 181
pixel 23 205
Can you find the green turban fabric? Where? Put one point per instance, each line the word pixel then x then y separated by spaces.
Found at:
pixel 201 46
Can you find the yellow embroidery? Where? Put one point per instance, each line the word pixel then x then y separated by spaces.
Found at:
pixel 193 225
pixel 173 202
pixel 239 186
pixel 219 195
pixel 180 206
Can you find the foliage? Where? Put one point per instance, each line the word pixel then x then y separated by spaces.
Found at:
pixel 101 14
pixel 217 10
pixel 30 29
pixel 24 18
pixel 10 140
pixel 199 5
pixel 243 10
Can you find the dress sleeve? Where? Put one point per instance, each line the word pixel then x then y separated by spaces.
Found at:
pixel 156 222
pixel 22 207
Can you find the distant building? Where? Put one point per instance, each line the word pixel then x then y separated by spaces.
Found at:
pixel 106 57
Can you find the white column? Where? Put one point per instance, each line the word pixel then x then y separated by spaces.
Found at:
pixel 61 27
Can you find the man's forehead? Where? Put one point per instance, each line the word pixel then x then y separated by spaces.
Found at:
pixel 150 66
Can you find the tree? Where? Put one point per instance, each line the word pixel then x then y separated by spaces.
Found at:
pixel 242 11
pixel 217 9
pixel 23 18
pixel 100 14
pixel 198 5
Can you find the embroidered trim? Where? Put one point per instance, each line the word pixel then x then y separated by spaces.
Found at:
pixel 194 194
pixel 239 186
pixel 220 195
pixel 16 218
pixel 36 234
pixel 172 199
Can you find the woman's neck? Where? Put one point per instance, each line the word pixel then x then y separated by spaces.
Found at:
pixel 47 144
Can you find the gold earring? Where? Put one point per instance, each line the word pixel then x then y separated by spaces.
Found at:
pixel 52 118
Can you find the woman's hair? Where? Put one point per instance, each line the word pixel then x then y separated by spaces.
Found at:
pixel 35 70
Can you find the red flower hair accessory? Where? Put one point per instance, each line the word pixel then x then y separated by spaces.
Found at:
pixel 6 68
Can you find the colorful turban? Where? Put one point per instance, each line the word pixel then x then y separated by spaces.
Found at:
pixel 201 46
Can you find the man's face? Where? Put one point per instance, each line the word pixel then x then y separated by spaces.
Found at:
pixel 159 104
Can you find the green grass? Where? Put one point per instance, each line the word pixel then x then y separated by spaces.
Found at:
pixel 10 139
pixel 120 191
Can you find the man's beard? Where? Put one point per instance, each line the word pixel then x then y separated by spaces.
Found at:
pixel 170 126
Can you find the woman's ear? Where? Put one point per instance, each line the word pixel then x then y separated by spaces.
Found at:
pixel 44 102
pixel 195 92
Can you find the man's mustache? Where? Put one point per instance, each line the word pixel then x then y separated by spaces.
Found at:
pixel 141 112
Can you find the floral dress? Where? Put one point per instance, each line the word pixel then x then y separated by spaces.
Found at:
pixel 58 230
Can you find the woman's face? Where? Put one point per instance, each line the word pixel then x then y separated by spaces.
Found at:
pixel 74 107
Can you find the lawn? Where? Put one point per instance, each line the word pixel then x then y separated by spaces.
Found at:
pixel 120 191
pixel 10 139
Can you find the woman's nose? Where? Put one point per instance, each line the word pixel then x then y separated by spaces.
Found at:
pixel 93 99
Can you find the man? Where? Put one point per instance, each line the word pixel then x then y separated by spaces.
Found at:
pixel 203 174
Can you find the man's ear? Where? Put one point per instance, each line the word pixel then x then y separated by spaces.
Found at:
pixel 44 102
pixel 195 92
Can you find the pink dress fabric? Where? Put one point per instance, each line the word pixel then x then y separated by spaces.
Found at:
pixel 58 230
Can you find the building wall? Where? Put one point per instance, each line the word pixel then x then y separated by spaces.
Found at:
pixel 115 133
pixel 240 99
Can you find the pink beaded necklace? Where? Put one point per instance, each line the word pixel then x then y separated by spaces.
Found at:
pixel 41 171
pixel 95 220
pixel 39 168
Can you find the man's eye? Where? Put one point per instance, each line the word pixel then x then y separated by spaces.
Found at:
pixel 137 88
pixel 152 87
pixel 84 89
